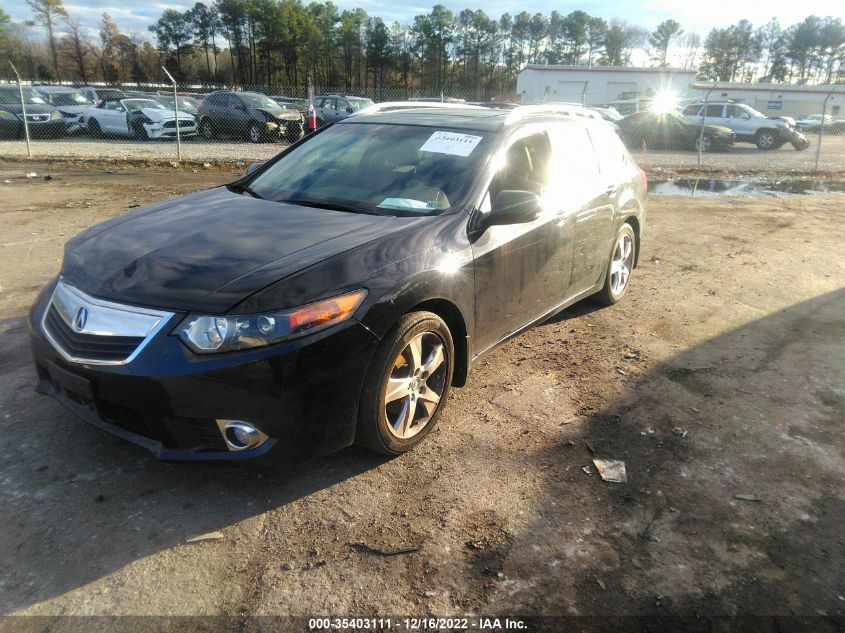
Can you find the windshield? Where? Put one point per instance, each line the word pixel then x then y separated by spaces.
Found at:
pixel 356 103
pixel 752 111
pixel 67 99
pixel 257 101
pixel 384 169
pixel 137 104
pixel 185 103
pixel 10 95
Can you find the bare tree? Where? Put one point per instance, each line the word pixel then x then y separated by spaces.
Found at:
pixel 47 13
pixel 77 48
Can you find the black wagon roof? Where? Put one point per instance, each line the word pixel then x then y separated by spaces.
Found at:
pixel 467 118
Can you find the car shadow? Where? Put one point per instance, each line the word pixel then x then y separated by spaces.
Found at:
pixel 732 507
pixel 79 504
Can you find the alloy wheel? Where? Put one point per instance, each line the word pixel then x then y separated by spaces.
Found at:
pixel 621 264
pixel 254 134
pixel 703 143
pixel 415 385
pixel 766 140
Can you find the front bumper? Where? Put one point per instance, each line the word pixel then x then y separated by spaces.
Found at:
pixel 303 394
pixel 159 130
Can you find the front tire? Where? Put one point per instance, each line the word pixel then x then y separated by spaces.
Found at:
pixel 94 129
pixel 253 134
pixel 705 143
pixel 766 140
pixel 206 129
pixel 140 132
pixel 406 385
pixel 620 267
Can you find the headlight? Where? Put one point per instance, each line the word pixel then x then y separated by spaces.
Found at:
pixel 55 114
pixel 206 334
pixel 270 124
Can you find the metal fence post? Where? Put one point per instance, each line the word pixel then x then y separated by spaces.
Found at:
pixel 23 111
pixel 176 114
pixel 821 127
pixel 703 117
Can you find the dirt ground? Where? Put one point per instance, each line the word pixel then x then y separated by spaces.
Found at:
pixel 718 380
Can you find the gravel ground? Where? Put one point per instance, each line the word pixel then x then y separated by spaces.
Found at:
pixel 718 380
pixel 742 158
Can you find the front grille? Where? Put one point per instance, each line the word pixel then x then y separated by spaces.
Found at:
pixel 89 346
pixel 172 124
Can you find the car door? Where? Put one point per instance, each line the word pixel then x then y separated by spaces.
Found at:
pixel 237 116
pixel 521 271
pixel 739 120
pixel 113 118
pixel 588 198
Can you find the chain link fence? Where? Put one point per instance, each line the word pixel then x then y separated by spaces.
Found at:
pixel 166 123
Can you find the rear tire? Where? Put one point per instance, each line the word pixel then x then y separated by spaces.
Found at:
pixel 619 268
pixel 407 384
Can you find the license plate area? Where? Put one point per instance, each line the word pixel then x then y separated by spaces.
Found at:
pixel 71 387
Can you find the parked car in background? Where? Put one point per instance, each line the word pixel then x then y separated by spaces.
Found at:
pixel 43 119
pixel 337 293
pixel 814 123
pixel 331 108
pixel 69 101
pixel 101 94
pixel 249 115
pixel 143 119
pixel 186 104
pixel 670 130
pixel 748 124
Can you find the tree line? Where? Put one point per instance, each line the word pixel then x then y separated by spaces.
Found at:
pixel 288 43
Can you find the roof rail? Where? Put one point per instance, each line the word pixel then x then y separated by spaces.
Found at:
pixel 566 109
pixel 387 106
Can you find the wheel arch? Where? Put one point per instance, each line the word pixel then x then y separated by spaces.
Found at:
pixel 451 315
pixel 630 216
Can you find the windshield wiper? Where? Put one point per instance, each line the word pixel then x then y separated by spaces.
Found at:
pixel 244 189
pixel 331 206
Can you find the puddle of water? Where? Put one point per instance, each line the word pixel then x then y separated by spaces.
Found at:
pixel 741 188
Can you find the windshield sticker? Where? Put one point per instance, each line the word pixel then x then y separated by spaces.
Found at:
pixel 451 143
pixel 408 204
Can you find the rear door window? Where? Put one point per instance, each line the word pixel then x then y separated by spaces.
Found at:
pixel 692 110
pixel 714 111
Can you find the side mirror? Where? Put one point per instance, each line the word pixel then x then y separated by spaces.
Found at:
pixel 511 207
pixel 746 116
pixel 350 110
pixel 252 167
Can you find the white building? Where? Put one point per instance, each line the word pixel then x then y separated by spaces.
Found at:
pixel 597 85
pixel 777 99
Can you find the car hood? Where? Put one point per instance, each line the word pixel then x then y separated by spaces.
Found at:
pixel 31 108
pixel 154 114
pixel 77 109
pixel 210 250
pixel 719 129
pixel 281 115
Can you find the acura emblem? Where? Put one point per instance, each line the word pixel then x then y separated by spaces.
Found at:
pixel 80 320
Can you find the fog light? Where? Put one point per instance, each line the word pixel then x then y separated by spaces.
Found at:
pixel 239 435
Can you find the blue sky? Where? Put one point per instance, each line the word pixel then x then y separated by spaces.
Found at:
pixel 693 15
